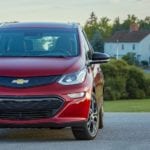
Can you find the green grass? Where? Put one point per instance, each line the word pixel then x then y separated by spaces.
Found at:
pixel 147 75
pixel 142 105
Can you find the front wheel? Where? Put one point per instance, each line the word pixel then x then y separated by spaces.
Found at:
pixel 90 129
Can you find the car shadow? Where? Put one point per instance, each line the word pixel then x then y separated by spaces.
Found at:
pixel 36 135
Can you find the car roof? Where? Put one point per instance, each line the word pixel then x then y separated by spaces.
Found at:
pixel 38 25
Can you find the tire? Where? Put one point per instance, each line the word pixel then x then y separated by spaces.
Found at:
pixel 101 114
pixel 90 129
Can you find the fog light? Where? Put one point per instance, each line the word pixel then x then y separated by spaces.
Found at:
pixel 77 95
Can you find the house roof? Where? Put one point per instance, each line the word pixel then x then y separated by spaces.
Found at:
pixel 126 36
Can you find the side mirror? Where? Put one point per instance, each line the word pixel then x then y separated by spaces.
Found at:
pixel 98 58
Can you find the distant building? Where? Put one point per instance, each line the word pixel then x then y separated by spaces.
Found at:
pixel 133 41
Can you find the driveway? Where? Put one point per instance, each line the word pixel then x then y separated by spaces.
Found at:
pixel 122 131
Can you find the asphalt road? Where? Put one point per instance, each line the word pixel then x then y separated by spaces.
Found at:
pixel 122 131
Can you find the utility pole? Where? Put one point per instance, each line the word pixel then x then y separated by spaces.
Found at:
pixel 117 55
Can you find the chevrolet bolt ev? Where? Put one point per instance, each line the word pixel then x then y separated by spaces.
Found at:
pixel 50 77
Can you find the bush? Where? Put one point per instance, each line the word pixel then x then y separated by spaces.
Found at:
pixel 138 75
pixel 124 81
pixel 109 94
pixel 116 72
pixel 114 90
pixel 115 68
pixel 147 87
pixel 133 90
pixel 129 58
pixel 144 63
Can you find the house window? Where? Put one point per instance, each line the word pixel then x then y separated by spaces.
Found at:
pixel 133 46
pixel 122 47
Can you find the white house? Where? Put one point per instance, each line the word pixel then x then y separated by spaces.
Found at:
pixel 133 41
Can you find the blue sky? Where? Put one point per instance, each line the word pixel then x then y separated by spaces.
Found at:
pixel 70 10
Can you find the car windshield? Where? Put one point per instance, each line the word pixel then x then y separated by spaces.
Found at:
pixel 37 42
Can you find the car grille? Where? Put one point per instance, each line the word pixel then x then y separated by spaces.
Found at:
pixel 29 108
pixel 26 82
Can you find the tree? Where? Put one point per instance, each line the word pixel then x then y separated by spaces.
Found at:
pixel 91 26
pixel 97 42
pixel 145 24
pixel 130 20
pixel 105 28
pixel 125 25
pixel 92 19
pixel 116 25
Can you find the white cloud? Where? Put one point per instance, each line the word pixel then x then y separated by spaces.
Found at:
pixel 114 1
pixel 70 10
pixel 145 1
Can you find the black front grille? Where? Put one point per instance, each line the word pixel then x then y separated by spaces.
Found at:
pixel 26 82
pixel 29 108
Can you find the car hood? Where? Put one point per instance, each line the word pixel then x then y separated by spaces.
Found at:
pixel 27 67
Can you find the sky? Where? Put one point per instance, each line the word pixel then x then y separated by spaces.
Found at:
pixel 70 10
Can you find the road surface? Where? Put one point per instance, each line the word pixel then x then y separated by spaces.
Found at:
pixel 122 131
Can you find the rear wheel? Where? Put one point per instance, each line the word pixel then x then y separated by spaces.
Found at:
pixel 90 129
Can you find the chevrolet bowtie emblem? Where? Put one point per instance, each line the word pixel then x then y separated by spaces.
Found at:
pixel 20 81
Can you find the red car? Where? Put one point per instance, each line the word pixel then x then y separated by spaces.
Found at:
pixel 50 77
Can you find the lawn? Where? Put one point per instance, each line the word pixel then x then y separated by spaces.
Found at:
pixel 147 75
pixel 142 105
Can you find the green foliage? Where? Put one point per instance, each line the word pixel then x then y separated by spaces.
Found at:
pixel 91 26
pixel 147 87
pixel 115 88
pixel 138 75
pixel 116 72
pixel 124 81
pixel 115 68
pixel 97 31
pixel 97 42
pixel 130 20
pixel 106 28
pixel 129 58
pixel 116 25
pixel 144 63
pixel 145 24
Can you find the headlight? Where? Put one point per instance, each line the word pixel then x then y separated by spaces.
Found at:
pixel 73 78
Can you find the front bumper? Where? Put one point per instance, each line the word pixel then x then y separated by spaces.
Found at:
pixel 72 112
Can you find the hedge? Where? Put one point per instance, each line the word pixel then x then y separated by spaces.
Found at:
pixel 124 81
